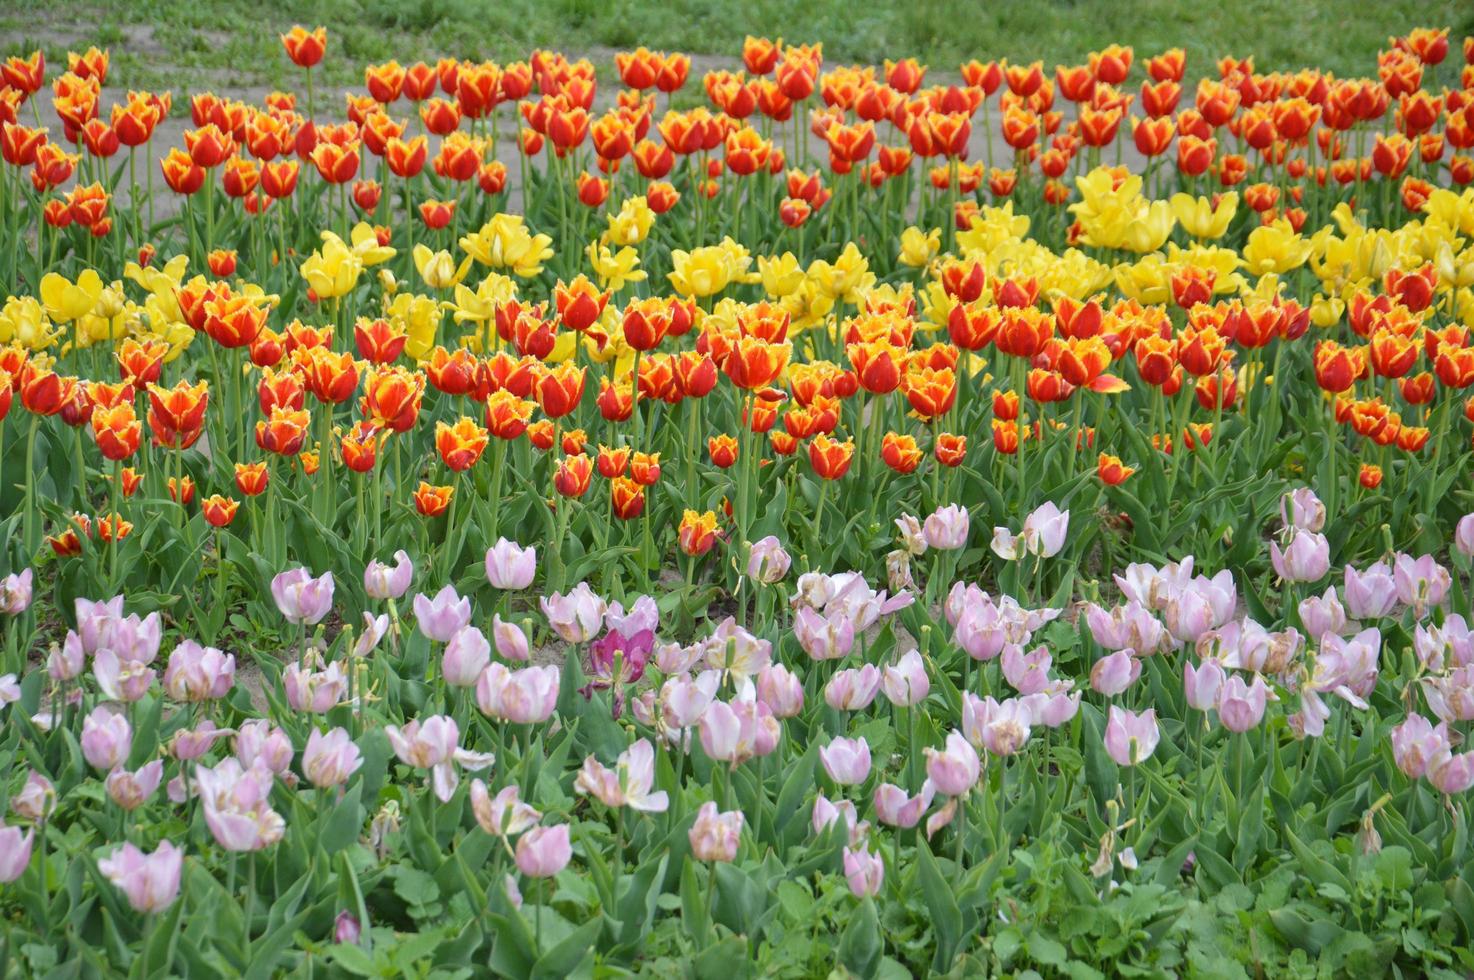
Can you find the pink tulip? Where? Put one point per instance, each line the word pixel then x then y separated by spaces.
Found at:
pixel 847 761
pixel 188 744
pixel 1451 696
pixel 1451 644
pixel 1307 558
pixel 374 628
pixel 1129 627
pixel 1027 673
pixel 946 529
pixel 149 881
pixel 853 689
pixel 16 592
pixel 1203 684
pixel 1189 614
pixel 864 871
pixel 627 784
pixel 980 629
pixel 768 563
pixel 346 929
pixel 465 657
pixel 781 690
pixel 684 701
pixel 1054 706
pixel 107 738
pixel 1045 530
pixel 424 744
pixel 544 851
pixel 955 769
pixel 715 836
pixel 896 809
pixel 317 691
pixel 1303 510
pixel 1131 738
pixel 1421 583
pixel 503 815
pixel 66 662
pixel 823 637
pixel 509 639
pixel 130 790
pixel 15 852
pixel 1464 536
pixel 36 799
pixel 522 697
pixel 738 654
pixel 1240 705
pixel 383 581
pixel 257 743
pixel 120 679
pixel 330 759
pixel 1007 728
pixel 1416 743
pixel 906 682
pixel 1370 594
pixel 672 658
pixel 1322 614
pixel 510 566
pixel 912 535
pixel 95 622
pixel 736 732
pixel 577 616
pixel 1114 674
pixel 1452 773
pixel 828 812
pixel 441 617
pixel 197 673
pixel 237 805
pixel 135 639
pixel 302 599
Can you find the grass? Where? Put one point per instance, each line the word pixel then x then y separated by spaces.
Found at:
pixel 225 42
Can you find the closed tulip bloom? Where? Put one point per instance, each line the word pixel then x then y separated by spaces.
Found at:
pixel 768 562
pixel 442 617
pixel 715 835
pixel 509 639
pixel 15 852
pixel 542 852
pixel 258 743
pixel 503 815
pixel 1028 673
pixel 1307 558
pixel 905 682
pixel 781 690
pixel 1240 705
pixel 1369 594
pixel 946 528
pixel 576 616
pixel 330 759
pixel 510 566
pixel 853 689
pixel 35 801
pixel 150 882
pixel 1131 737
pixel 895 809
pixel 1114 674
pixel 383 581
pixel 1202 685
pixel 130 790
pixel 864 871
pixel 824 637
pixel 847 761
pixel 197 673
pixel 1420 582
pixel 522 697
pixel 301 598
pixel 315 691
pixel 954 769
pixel 466 654
pixel 1006 728
pixel 107 738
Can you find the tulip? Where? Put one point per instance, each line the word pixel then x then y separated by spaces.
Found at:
pixel 864 871
pixel 510 566
pixel 955 769
pixel 1370 594
pixel 509 639
pixel 1203 684
pixel 130 790
pixel 1240 705
pixel 522 697
pixel 466 654
pixel 330 758
pixel 1114 674
pixel 150 882
pixel 847 761
pixel 503 815
pixel 544 851
pixel 905 682
pixel 1306 558
pixel 854 689
pixel 1005 728
pixel 628 784
pixel 257 743
pixel 1131 737
pixel 237 805
pixel 316 691
pixel 768 562
pixel 1463 537
pixel 442 617
pixel 35 801
pixel 827 813
pixel 781 690
pixel 1028 673
pixel 1303 510
pixel 946 528
pixel 382 581
pixel 1420 582
pixel 16 592
pixel 107 738
pixel 715 835
pixel 894 808
pixel 197 673
pixel 301 598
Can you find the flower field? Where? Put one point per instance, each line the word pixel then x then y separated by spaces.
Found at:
pixel 800 521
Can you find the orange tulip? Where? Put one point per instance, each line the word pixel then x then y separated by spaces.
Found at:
pixel 140 362
pixel 304 47
pixel 559 389
pixel 460 445
pixel 723 450
pixel 507 415
pixel 627 498
pixel 697 533
pixel 117 430
pixel 645 468
pixel 431 501
pixel 219 511
pixel 612 461
pixel 951 449
pixel 829 457
pixel 900 452
pixel 1111 470
pixel 283 433
pixel 931 391
pixel 181 490
pixel 573 475
pixel 176 416
pixel 251 478
pixel 234 321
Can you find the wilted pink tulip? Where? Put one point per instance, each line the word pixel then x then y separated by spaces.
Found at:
pixel 738 654
pixel 1370 594
pixel 431 744
pixel 16 592
pixel 503 815
pixel 846 760
pixel 1114 674
pixel 130 790
pixel 1452 774
pixel 1451 696
pixel 781 690
pixel 149 881
pixel 1322 614
pixel 852 689
pixel 330 758
pixel 509 565
pixel 1131 738
pixel 1240 705
pixel 627 784
pixel 736 732
pixel 237 805
pixel 946 528
pixel 1307 558
pixel 864 871
pixel 824 637
pixel 95 622
pixel 684 701
pixel 302 599
pixel 1302 509
pixel 1202 685
pixel 374 628
pixel 107 738
pixel 509 639
pixel 439 618
pixel 36 799
pixel 317 691
pixel 257 742
pixel 768 563
pixel 522 697
pixel 905 682
pixel 1416 743
pixel 715 836
pixel 197 673
pixel 15 852
pixel 577 616
pixel 383 581
pixel 896 809
pixel 954 769
pixel 465 657
pixel 66 662
pixel 1421 583
pixel 544 851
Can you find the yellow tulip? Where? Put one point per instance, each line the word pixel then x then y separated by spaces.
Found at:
pixel 419 317
pixel 439 269
pixel 615 270
pixel 919 247
pixel 479 305
pixel 781 275
pixel 631 225
pixel 333 270
pixel 65 300
pixel 505 243
pixel 1200 218
pixel 1275 248
pixel 366 245
pixel 24 322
